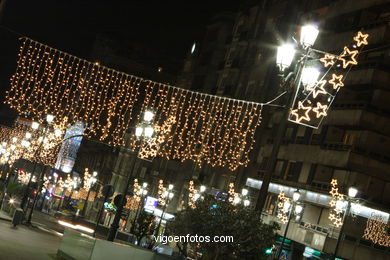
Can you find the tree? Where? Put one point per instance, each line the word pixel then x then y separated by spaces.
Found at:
pixel 213 217
pixel 144 226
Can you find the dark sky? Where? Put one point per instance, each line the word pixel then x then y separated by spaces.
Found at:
pixel 169 27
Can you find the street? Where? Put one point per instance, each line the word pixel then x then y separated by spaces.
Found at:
pixel 25 242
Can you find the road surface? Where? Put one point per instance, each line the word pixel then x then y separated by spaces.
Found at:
pixel 27 243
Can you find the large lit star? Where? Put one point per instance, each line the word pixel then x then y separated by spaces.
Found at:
pixel 334 182
pixel 328 60
pixel 361 39
pixel 336 81
pixel 319 89
pixel 299 118
pixel 320 110
pixel 350 55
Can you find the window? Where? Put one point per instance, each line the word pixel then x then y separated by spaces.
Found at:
pixel 292 171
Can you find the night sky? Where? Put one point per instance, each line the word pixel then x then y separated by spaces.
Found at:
pixel 168 27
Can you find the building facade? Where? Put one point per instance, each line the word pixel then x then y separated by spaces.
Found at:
pixel 349 146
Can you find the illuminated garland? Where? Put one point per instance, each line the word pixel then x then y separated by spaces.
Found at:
pixel 131 203
pixel 231 192
pixel 191 194
pixel 282 209
pixel 376 231
pixel 137 190
pixel 311 105
pixel 336 213
pixel 194 126
pixel 161 191
pixel 41 149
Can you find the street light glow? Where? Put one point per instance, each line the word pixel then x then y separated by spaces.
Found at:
pixel 148 115
pixel 28 135
pixel 49 118
pixel 138 131
pixel 352 191
pixel 298 209
pixel 202 188
pixel 57 132
pixel 244 192
pixel 309 77
pixel 285 55
pixel 149 131
pixel 309 35
pixel 296 195
pixel 35 125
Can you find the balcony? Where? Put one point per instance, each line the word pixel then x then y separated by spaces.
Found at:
pixel 359 118
pixel 335 155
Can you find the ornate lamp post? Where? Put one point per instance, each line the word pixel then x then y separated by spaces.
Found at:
pixel 352 192
pixel 292 208
pixel 143 131
pixel 89 183
pixel 284 59
pixel 143 192
pixel 168 195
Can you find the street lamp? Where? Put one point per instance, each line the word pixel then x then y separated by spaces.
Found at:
pixel 143 193
pixel 168 195
pixel 309 77
pixel 293 208
pixel 89 182
pixel 309 35
pixel 284 59
pixel 352 192
pixel 143 131
pixel 285 55
pixel 42 140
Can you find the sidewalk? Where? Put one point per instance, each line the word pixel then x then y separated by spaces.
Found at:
pixel 5 216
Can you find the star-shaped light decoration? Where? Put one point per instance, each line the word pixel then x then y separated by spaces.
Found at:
pixel 319 89
pixel 298 117
pixel 333 182
pixel 338 222
pixel 320 110
pixel 336 81
pixel 350 55
pixel 328 60
pixel 361 39
pixel 334 191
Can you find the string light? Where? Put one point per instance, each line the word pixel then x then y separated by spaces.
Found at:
pixel 319 89
pixel 296 112
pixel 361 39
pixel 231 192
pixel 376 231
pixel 335 214
pixel 320 110
pixel 283 208
pixel 334 76
pixel 192 126
pixel 351 55
pixel 328 60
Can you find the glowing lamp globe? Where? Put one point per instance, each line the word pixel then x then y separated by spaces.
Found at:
pixel 309 35
pixel 284 56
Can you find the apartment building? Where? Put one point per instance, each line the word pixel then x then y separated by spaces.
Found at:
pixel 351 144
